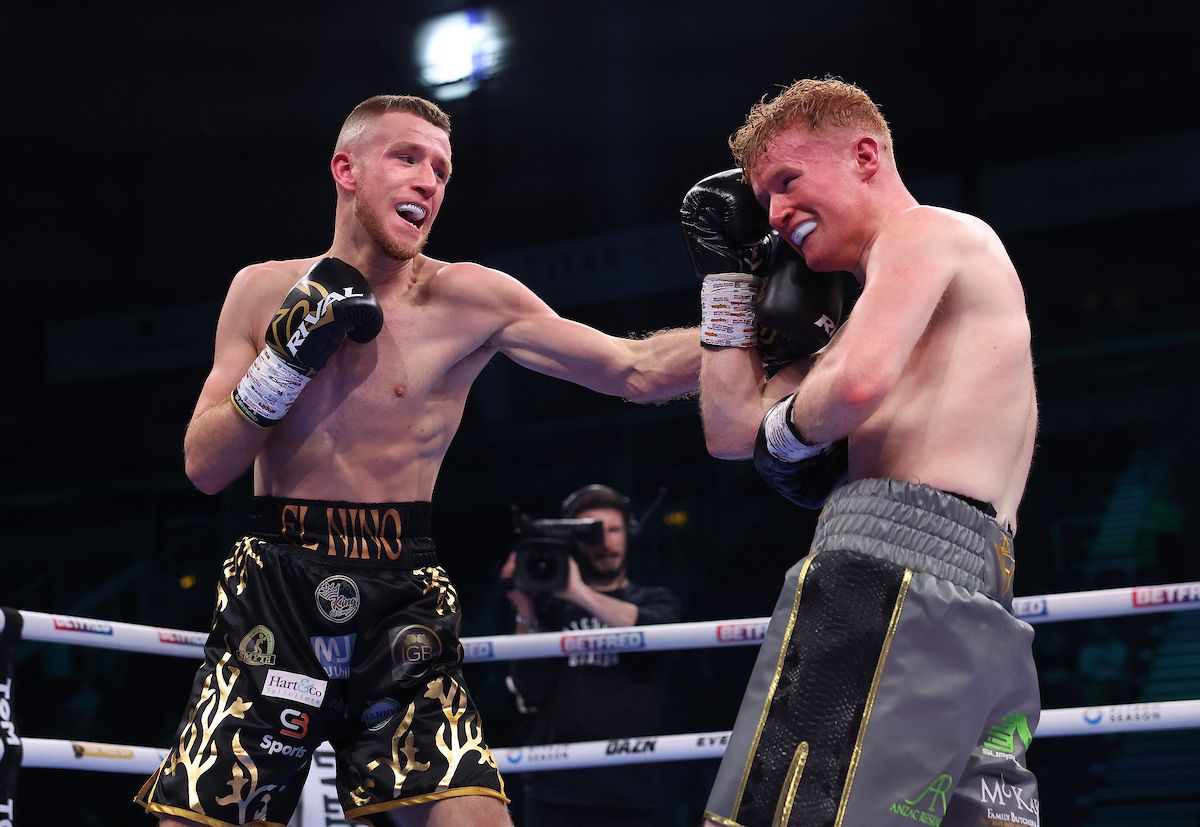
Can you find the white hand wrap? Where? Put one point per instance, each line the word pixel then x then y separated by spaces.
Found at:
pixel 268 389
pixel 783 441
pixel 727 310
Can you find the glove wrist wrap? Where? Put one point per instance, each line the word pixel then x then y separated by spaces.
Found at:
pixel 727 310
pixel 784 442
pixel 268 389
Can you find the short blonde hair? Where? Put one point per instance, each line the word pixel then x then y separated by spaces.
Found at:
pixel 818 105
pixel 378 105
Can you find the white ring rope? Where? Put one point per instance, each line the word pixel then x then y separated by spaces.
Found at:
pixel 45 753
pixel 1082 605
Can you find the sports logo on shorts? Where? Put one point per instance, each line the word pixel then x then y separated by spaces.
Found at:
pixel 414 649
pixel 295 723
pixel 257 647
pixel 337 598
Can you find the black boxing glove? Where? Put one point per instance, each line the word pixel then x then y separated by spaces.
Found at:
pixel 331 302
pixel 729 242
pixel 797 310
pixel 804 474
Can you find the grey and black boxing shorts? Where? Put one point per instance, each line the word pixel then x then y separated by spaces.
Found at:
pixel 894 685
pixel 334 622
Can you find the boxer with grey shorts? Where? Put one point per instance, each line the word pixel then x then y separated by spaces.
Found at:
pixel 894 684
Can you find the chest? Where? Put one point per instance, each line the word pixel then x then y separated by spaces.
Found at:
pixel 421 353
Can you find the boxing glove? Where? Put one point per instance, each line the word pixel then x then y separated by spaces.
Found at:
pixel 331 302
pixel 797 310
pixel 804 474
pixel 728 241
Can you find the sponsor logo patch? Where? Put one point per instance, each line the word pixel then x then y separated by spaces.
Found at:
pixel 293 687
pixel 295 723
pixel 257 647
pixel 273 747
pixel 414 650
pixel 376 716
pixel 929 807
pixel 337 598
pixel 334 654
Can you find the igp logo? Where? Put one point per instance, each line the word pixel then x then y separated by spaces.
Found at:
pixel 415 648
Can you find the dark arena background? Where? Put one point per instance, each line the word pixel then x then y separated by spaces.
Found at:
pixel 153 149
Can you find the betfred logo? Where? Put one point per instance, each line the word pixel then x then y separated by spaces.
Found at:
pixel 1166 595
pixel 178 638
pixel 744 632
pixel 1027 607
pixel 603 642
pixel 82 624
pixel 477 650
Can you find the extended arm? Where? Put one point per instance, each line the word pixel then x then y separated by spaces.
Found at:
pixel 658 367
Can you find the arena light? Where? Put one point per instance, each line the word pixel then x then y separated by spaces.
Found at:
pixel 456 52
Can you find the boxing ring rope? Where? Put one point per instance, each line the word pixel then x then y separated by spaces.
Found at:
pixel 1083 605
pixel 1144 717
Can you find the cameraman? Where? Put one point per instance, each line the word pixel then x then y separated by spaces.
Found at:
pixel 594 695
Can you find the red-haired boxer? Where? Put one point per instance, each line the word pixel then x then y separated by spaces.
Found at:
pixel 894 685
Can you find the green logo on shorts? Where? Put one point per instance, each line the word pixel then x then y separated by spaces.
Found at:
pixel 1003 736
pixel 930 806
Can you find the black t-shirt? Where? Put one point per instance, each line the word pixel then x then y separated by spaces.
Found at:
pixel 597 695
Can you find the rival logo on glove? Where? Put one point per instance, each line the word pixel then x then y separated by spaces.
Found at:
pixel 293 337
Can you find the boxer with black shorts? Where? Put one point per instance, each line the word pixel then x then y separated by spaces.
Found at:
pixel 894 684
pixel 335 619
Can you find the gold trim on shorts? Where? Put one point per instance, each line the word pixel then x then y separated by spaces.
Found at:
pixel 724 822
pixel 787 636
pixel 191 815
pixel 424 798
pixel 866 716
pixel 783 810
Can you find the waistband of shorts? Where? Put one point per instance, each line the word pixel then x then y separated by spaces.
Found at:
pixel 921 528
pixel 381 533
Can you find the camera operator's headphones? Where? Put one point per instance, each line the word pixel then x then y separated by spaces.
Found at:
pixel 601 496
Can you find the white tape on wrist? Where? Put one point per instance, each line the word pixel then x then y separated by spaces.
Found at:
pixel 269 388
pixel 727 310
pixel 783 443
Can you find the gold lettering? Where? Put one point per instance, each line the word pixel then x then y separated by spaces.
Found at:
pixel 385 536
pixel 354 532
pixel 336 520
pixel 290 510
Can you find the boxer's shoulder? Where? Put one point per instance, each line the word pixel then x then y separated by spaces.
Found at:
pixel 269 281
pixel 476 285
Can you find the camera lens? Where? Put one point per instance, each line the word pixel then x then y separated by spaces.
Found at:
pixel 544 566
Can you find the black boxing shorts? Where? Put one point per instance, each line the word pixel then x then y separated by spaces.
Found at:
pixel 334 622
pixel 894 686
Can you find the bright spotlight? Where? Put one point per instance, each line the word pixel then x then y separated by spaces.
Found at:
pixel 457 51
